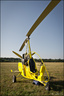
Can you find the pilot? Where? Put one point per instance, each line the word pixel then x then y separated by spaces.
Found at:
pixel 24 60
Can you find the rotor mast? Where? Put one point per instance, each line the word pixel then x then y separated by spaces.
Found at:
pixel 29 47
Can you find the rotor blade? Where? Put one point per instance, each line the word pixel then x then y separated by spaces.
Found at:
pixel 23 44
pixel 17 54
pixel 47 10
pixel 33 53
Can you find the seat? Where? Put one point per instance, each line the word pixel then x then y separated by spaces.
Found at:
pixel 32 65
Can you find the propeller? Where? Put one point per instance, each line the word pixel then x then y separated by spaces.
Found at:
pixel 25 41
pixel 47 10
pixel 17 54
pixel 33 53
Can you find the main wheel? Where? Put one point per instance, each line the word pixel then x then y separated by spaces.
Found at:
pixel 14 79
pixel 47 87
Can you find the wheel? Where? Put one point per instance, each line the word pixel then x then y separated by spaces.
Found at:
pixel 14 79
pixel 47 87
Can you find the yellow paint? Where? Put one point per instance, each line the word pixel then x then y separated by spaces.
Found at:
pixel 29 48
pixel 25 70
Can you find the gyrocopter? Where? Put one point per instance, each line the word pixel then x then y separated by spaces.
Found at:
pixel 27 67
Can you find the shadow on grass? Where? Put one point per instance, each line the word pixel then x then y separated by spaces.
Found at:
pixel 51 78
pixel 23 81
pixel 56 85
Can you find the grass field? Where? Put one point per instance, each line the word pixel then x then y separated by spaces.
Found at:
pixel 24 87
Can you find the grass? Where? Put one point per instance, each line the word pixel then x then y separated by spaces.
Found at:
pixel 24 87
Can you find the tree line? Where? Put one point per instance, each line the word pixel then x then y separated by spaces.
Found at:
pixel 37 60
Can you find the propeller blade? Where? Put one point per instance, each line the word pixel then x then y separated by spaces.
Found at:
pixel 33 53
pixel 47 10
pixel 17 54
pixel 23 44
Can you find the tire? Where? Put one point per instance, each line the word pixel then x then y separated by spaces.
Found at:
pixel 47 87
pixel 14 79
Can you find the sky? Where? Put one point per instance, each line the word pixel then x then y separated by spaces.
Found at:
pixel 17 17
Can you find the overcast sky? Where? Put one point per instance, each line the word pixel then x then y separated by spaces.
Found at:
pixel 17 17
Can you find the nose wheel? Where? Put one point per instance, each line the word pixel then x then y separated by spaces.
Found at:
pixel 14 79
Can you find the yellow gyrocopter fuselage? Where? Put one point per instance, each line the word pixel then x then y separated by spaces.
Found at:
pixel 27 67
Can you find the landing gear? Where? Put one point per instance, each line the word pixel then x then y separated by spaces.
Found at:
pixel 47 87
pixel 14 79
pixel 36 82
